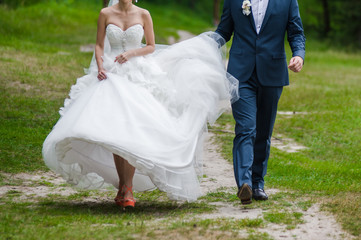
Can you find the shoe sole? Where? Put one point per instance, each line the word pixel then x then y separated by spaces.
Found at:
pixel 245 194
pixel 128 206
pixel 260 198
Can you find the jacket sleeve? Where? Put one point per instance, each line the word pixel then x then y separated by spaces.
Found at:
pixel 295 34
pixel 226 25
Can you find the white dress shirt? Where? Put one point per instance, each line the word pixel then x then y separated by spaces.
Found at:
pixel 259 8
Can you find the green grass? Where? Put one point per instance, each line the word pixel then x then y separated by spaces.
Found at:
pixel 169 18
pixel 220 196
pixel 77 216
pixel 67 220
pixel 290 219
pixel 223 224
pixel 51 26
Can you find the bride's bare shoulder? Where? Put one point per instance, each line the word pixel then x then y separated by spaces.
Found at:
pixel 107 11
pixel 142 11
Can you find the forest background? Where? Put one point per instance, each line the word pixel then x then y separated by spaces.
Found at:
pixel 336 21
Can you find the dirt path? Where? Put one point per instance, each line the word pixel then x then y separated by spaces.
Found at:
pixel 317 224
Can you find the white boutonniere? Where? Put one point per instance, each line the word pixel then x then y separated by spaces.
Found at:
pixel 246 7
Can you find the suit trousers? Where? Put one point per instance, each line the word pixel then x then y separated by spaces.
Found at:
pixel 255 114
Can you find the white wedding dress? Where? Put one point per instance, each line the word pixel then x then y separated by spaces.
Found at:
pixel 151 110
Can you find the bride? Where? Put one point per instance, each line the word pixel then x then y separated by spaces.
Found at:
pixel 136 120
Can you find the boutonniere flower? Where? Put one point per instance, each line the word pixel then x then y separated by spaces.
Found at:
pixel 246 7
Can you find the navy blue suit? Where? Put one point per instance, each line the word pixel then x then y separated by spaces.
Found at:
pixel 259 62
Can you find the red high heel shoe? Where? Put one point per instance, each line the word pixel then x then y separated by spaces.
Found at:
pixel 128 201
pixel 119 199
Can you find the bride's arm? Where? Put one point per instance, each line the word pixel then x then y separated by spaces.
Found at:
pixel 148 34
pixel 99 47
pixel 149 39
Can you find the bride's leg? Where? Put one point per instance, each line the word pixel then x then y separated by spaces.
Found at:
pixel 125 173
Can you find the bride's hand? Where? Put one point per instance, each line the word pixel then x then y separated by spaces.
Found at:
pixel 102 75
pixel 124 57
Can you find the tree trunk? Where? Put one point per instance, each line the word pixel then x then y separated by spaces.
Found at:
pixel 216 7
pixel 326 18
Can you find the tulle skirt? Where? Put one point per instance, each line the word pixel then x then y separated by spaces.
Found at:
pixel 152 111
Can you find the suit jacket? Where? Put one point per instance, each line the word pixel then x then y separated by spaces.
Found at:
pixel 263 52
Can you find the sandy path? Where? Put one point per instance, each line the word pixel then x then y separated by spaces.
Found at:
pixel 317 224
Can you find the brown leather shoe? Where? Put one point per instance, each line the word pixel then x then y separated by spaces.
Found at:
pixel 245 194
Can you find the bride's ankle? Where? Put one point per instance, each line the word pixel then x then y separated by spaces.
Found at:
pixel 127 190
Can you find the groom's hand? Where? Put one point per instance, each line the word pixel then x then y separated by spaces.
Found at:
pixel 296 64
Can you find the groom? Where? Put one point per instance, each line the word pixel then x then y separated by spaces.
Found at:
pixel 258 60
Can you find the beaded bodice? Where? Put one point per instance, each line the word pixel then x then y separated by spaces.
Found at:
pixel 123 40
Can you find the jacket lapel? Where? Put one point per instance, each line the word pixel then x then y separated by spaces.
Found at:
pixel 268 13
pixel 251 19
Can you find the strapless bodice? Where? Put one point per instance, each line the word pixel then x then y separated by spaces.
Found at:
pixel 123 40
